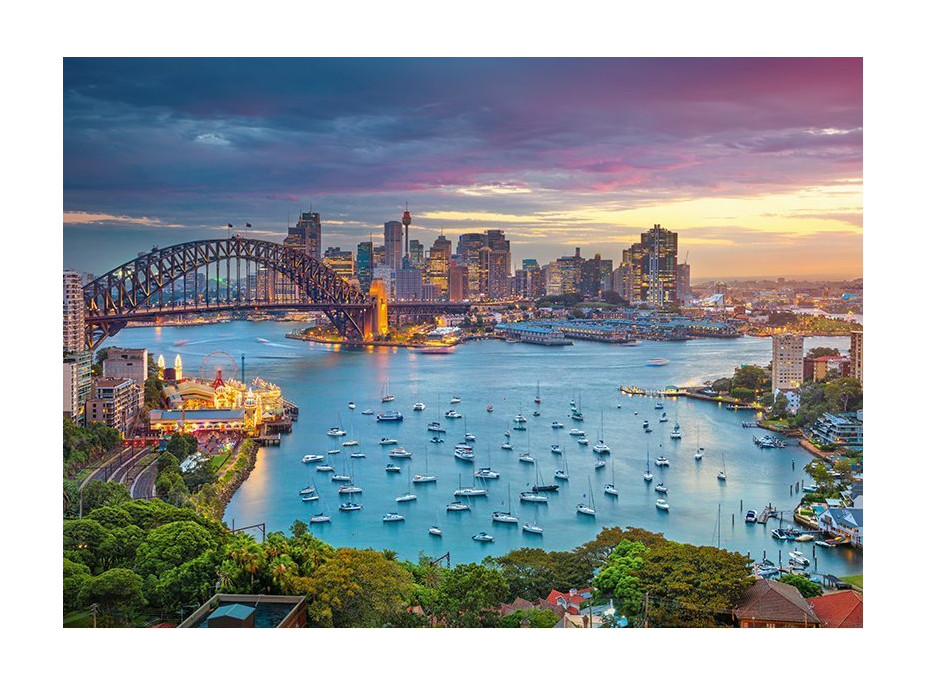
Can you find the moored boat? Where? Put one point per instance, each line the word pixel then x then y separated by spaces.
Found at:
pixel 662 504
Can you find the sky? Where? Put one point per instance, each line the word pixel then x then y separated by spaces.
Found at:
pixel 757 163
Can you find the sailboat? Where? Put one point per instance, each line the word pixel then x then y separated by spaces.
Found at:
pixel 309 493
pixel 576 414
pixel 722 475
pixel 699 449
pixel 419 406
pixel 468 491
pixel 601 448
pixel 321 517
pixel 487 472
pixel 537 393
pixel 532 528
pixel 408 495
pixel 563 474
pixel 590 509
pixel 647 470
pixel 425 478
pixel 610 488
pixel 468 437
pixel 506 517
pixel 541 486
pixel 385 396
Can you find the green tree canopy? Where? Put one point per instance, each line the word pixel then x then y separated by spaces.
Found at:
pixel 751 376
pixel 468 593
pixel 807 587
pixel 117 592
pixel 170 545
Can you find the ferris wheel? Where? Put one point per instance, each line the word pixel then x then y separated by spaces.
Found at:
pixel 211 364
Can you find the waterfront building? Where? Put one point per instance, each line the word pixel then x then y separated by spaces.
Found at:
pixel 843 521
pixel 393 244
pixel 771 604
pixel 787 361
pixel 458 283
pixel 409 284
pixel 127 363
pixel 817 368
pixel 114 402
pixel 341 262
pixel 365 265
pixel 857 355
pixel 845 430
pixel 73 315
pixel 659 263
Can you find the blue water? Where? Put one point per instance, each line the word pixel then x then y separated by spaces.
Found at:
pixel 322 379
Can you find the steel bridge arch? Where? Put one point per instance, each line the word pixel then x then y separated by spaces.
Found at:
pixel 126 292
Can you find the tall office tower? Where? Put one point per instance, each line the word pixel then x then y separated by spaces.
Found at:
pixel 496 240
pixel 683 281
pixel 438 263
pixel 380 256
pixel 552 272
pixel 416 253
pixel 311 225
pixel 469 245
pixel 493 274
pixel 522 283
pixel 457 283
pixel 387 275
pixel 593 273
pixel 393 245
pixel 631 274
pixel 341 262
pixel 72 308
pixel 659 262
pixel 530 264
pixel 407 220
pixel 857 355
pixel 409 284
pixel 787 362
pixel 365 266
pixel 569 270
pixel 266 284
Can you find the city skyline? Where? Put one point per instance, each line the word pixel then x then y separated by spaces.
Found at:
pixel 756 163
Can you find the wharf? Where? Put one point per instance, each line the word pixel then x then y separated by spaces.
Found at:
pixel 665 393
pixel 267 439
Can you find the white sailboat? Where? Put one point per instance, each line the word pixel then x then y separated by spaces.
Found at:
pixel 563 474
pixel 583 508
pixel 647 470
pixel 408 495
pixel 601 448
pixel 321 517
pixel 610 488
pixel 722 476
pixel 506 517
pixel 425 478
pixel 385 395
pixel 699 449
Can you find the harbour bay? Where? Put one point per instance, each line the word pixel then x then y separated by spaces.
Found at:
pixel 322 379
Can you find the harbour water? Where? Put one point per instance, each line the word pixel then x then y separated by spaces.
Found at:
pixel 323 379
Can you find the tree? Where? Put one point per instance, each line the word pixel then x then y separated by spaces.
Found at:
pixel 844 394
pixel 102 494
pixel 75 575
pixel 617 578
pixel 299 528
pixel 82 540
pixel 170 545
pixel 534 619
pixel 751 376
pixel 807 587
pixel 114 591
pixel 468 593
pixel 182 445
pixel 822 352
pixel 358 588
pixel 743 394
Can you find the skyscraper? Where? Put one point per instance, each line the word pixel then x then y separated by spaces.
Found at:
pixel 457 283
pixel 416 253
pixel 857 355
pixel 72 304
pixel 393 244
pixel 438 263
pixel 77 358
pixel 683 281
pixel 365 265
pixel 659 260
pixel 787 362
pixel 341 262
pixel 306 235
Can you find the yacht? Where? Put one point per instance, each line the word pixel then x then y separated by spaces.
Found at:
pixel 399 452
pixel 392 468
pixel 309 497
pixel 529 497
pixel 312 458
pixel 349 489
pixel 610 489
pixel 576 432
pixel 457 506
pixel 660 488
pixel 599 464
pixel 526 457
pixel 662 504
pixel 798 558
pixel 390 416
pixel 325 468
pixel 663 417
pixel 557 425
pixel 659 406
pixel 358 455
pixel 351 406
pixel 335 432
pixel 320 519
pixel 453 414
pixel 532 528
pixel 504 518
pixel 437 439
pixel 583 508
pixel 750 517
pixel 556 449
pixel 561 475
pixel 368 411
pixel 469 492
pixel 348 444
pixel 454 399
pixel 601 448
pixel 506 446
pixel 341 477
pixel 721 476
pixel 418 407
pixel 464 452
pixel 435 530
pixel 541 488
pixel 647 470
pixel 388 441
pixel 424 478
pixel 388 398
pixel 676 431
pixel 519 418
pixel 519 427
pixel 470 437
pixel 406 497
pixel 349 507
pixel 435 427
pixel 576 415
pixel 393 517
pixel 662 462
pixel 335 451
pixel 583 440
pixel 698 454
pixel 483 537
pixel 309 490
pixel 486 473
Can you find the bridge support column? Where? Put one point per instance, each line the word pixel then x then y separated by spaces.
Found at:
pixel 375 320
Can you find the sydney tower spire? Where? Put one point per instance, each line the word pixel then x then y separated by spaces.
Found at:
pixel 407 220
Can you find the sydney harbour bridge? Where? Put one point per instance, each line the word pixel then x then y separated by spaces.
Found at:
pixel 221 275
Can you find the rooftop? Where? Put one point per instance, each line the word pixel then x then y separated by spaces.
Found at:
pixel 772 601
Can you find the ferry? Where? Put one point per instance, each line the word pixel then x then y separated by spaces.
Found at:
pixel 390 416
pixel 387 441
pixel 393 517
pixel 436 427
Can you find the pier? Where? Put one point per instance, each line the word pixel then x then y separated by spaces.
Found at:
pixel 267 439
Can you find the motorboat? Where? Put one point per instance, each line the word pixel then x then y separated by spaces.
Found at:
pixel 661 488
pixel 435 427
pixel 561 475
pixel 435 530
pixel 470 438
pixel 453 414
pixel 675 434
pixel 486 473
pixel 645 424
pixel 312 458
pixel 483 537
pixel 663 417
pixel 659 406
pixel 556 449
pixel 576 432
pixel 583 440
pixel 489 407
pixel 393 517
pixel 576 415
pixel 532 528
pixel 825 544
pixel 341 477
pixel 721 476
pixel 541 488
pixel 519 427
pixel 357 455
pixel 368 411
pixel 698 454
pixel 662 462
pixel 750 517
pixel 536 413
pixel 798 558
pixel 783 535
pixel 349 443
pixel 506 446
pixel 464 452
pixel 557 425
pixel 325 468
pixel 335 432
pixel 437 439
pixel 351 406
pixel 388 441
pixel 392 468
pixel 335 451
pixel 519 418
pixel 599 464
pixel 399 452
pixel 662 504
pixel 320 519
pixel 350 507
pixel 804 538
pixel 457 506
pixel 349 489
pixel 454 399
pixel 418 407
pixel 529 497
pixel 526 457
pixel 390 416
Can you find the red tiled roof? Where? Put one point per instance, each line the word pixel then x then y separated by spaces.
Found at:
pixel 772 601
pixel 844 609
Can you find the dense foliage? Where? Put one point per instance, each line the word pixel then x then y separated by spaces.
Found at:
pixel 81 444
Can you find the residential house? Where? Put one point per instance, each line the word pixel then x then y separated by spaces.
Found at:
pixel 841 610
pixel 771 604
pixel 571 601
pixel 844 521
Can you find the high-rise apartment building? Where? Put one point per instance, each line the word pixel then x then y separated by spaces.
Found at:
pixel 393 244
pixel 437 265
pixel 458 283
pixel 127 363
pixel 659 260
pixel 468 252
pixel 72 305
pixel 114 402
pixel 857 355
pixel 787 362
